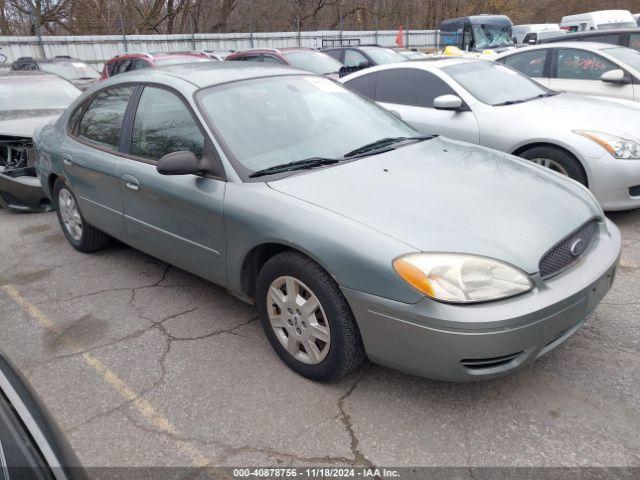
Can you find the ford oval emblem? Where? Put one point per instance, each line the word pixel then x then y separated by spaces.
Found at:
pixel 577 247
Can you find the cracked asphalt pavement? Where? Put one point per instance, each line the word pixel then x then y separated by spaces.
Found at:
pixel 143 364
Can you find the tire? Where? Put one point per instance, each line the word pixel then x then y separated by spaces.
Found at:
pixel 89 238
pixel 559 160
pixel 344 351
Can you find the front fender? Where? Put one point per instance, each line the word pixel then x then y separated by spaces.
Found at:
pixel 357 256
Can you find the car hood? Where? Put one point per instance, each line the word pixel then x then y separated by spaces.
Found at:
pixel 446 196
pixel 585 112
pixel 23 123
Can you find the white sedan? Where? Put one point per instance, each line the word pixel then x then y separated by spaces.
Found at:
pixel 580 67
pixel 592 140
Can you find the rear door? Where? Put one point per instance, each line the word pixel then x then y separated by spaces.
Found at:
pixel 534 64
pixel 176 218
pixel 91 157
pixel 579 71
pixel 411 92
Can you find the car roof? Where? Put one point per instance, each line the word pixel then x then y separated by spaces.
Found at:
pixel 206 74
pixel 27 74
pixel 578 45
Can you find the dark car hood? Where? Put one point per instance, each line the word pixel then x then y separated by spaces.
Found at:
pixel 442 195
pixel 23 123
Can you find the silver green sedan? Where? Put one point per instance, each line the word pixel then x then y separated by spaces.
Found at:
pixel 354 235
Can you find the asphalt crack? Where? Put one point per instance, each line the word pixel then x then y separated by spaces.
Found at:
pixel 358 457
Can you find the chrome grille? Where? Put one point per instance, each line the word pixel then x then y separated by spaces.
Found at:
pixel 568 250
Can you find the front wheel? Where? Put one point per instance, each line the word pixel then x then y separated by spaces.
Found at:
pixel 306 318
pixel 557 160
pixel 82 236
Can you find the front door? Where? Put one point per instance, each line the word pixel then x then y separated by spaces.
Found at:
pixel 411 92
pixel 579 71
pixel 176 218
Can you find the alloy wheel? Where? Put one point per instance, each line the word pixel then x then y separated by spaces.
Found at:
pixel 551 164
pixel 69 214
pixel 298 320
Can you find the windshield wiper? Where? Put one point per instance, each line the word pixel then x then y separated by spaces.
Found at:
pixel 382 143
pixel 305 164
pixel 523 100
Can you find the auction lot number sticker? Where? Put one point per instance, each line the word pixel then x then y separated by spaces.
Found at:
pixel 311 473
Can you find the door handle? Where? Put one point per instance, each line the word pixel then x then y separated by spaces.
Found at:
pixel 67 159
pixel 131 182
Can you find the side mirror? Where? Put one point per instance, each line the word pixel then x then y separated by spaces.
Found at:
pixel 179 163
pixel 447 102
pixel 395 114
pixel 614 76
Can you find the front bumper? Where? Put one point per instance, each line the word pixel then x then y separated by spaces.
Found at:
pixel 21 191
pixel 612 182
pixel 474 342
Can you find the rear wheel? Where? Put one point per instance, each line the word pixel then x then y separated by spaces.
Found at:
pixel 557 160
pixel 80 234
pixel 306 318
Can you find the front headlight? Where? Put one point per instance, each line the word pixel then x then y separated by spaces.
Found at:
pixel 619 147
pixel 461 278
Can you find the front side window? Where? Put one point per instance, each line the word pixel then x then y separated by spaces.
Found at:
pixel 634 41
pixel 581 65
pixel 495 84
pixel 162 125
pixel 102 120
pixel 530 63
pixel 408 86
pixel 139 64
pixel 271 121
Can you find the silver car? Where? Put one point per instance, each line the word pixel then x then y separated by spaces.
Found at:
pixel 594 141
pixel 353 234
pixel 588 68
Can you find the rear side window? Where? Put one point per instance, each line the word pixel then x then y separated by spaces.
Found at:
pixel 138 64
pixel 102 120
pixel 353 58
pixel 365 85
pixel 612 39
pixel 634 41
pixel 162 125
pixel 581 65
pixel 271 59
pixel 530 63
pixel 408 86
pixel 334 53
pixel 112 68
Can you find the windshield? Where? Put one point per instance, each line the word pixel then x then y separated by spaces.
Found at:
pixel 493 83
pixel 71 70
pixel 382 55
pixel 488 35
pixel 272 121
pixel 22 93
pixel 315 62
pixel 625 55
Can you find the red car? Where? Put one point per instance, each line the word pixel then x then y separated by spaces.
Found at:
pixel 135 61
pixel 297 57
